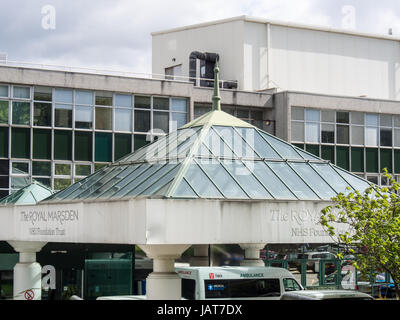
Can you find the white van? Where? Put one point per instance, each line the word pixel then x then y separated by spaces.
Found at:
pixel 255 283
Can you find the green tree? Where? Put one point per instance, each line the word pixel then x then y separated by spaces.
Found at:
pixel 368 224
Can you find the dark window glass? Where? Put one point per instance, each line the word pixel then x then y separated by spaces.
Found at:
pixel 142 121
pixel 328 153
pixel 104 98
pixel 140 140
pixel 386 159
pixel 357 159
pixel 342 157
pixel 342 133
pixel 41 144
pixel 160 103
pixel 122 145
pixel 161 121
pixel 44 181
pixel 42 114
pixel 42 94
pixel 200 109
pixel 4 182
pixel 386 137
pixel 103 118
pixel 21 113
pixel 327 133
pixel 342 117
pixel 371 157
pixel 312 148
pixel 62 145
pixel 3 193
pixel 21 142
pixel 103 147
pixel 4 142
pixel 63 116
pixel 41 168
pixel 142 102
pixel 298 145
pixel 397 161
pixel 83 146
pixel 188 289
pixel 4 167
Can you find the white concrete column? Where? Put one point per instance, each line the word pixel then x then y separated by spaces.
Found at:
pixel 252 254
pixel 27 272
pixel 200 257
pixel 163 283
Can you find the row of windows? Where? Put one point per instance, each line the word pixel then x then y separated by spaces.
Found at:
pixel 339 127
pixel 43 144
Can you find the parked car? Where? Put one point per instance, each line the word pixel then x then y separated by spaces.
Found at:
pixel 326 295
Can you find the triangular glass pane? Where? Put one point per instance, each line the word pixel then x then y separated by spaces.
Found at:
pixel 246 179
pixel 225 183
pixel 163 190
pixel 256 142
pixel 236 142
pixel 270 180
pixel 216 145
pixel 162 181
pixel 283 148
pixel 184 191
pixel 330 175
pixel 200 182
pixel 356 182
pixel 308 174
pixel 292 180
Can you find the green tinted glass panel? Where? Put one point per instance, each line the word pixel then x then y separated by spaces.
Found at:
pixel 62 169
pixel 103 147
pixel 82 169
pixel 122 145
pixel 42 144
pixel 40 168
pixel 357 159
pixel 21 140
pixel 60 184
pixel 42 114
pixel 397 161
pixel 386 159
pixel 3 111
pixel 299 145
pixel 139 141
pixel 342 157
pixel 4 142
pixel 328 153
pixel 83 146
pixel 21 113
pixel 314 149
pixel 371 156
pixel 62 145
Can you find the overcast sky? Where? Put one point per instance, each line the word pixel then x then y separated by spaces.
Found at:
pixel 115 34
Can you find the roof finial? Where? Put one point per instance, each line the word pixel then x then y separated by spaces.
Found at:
pixel 216 98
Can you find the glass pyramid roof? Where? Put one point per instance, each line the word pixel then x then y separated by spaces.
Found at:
pixel 30 194
pixel 216 156
pixel 213 159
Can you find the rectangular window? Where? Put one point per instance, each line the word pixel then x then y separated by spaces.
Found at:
pixel 84 97
pixel 42 114
pixel 63 96
pixel 4 142
pixel 371 157
pixel 60 184
pixel 140 140
pixel 357 135
pixel 312 115
pixel 42 94
pixel 63 116
pixel 83 117
pixel 342 117
pixel 386 137
pixel 123 119
pixel 397 161
pixel 342 157
pixel 357 159
pixel 123 100
pixel 142 121
pixel 122 145
pixel 160 103
pixel 62 145
pixel 40 168
pixel 83 169
pixel 161 122
pixel 142 102
pixel 386 159
pixel 103 147
pixel 371 136
pixel 297 113
pixel 83 146
pixel 178 105
pixel 104 98
pixel 4 91
pixel 21 141
pixel 21 113
pixel 314 149
pixel 21 92
pixel 21 168
pixel 396 138
pixel 312 132
pixel 4 112
pixel 178 120
pixel 371 119
pixel 297 131
pixel 327 116
pixel 328 153
pixel 357 118
pixel 62 169
pixel 342 134
pixel 385 120
pixel 41 144
pixel 103 118
pixel 328 133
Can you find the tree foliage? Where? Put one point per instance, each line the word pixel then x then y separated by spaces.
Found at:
pixel 368 224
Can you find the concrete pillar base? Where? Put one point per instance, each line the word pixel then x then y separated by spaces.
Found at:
pixel 252 254
pixel 27 272
pixel 163 283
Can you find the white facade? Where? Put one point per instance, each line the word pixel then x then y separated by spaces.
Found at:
pixel 262 54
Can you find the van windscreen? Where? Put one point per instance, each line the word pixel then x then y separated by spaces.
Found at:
pixel 242 288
